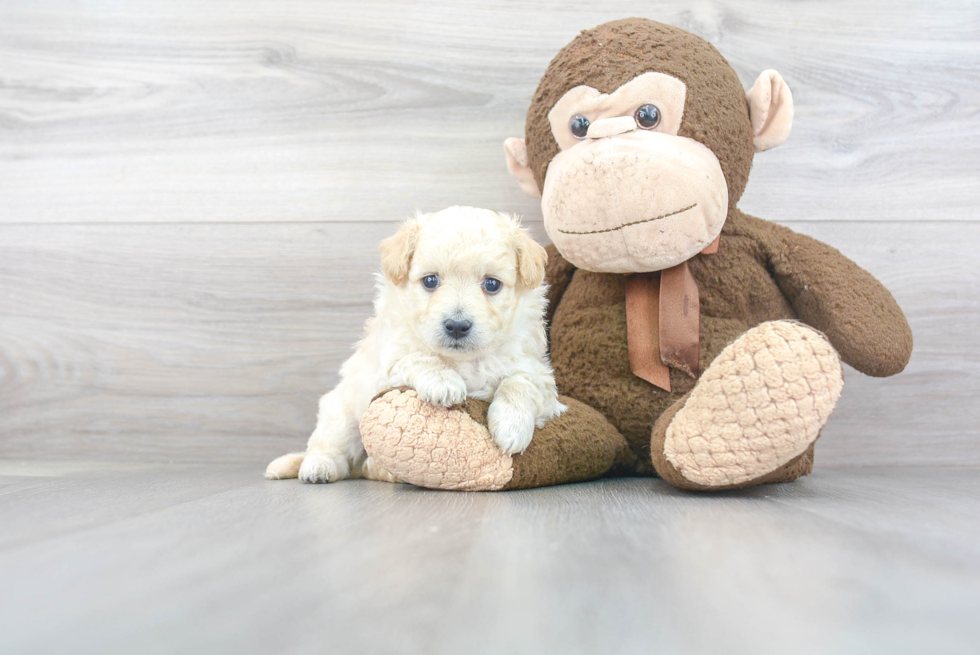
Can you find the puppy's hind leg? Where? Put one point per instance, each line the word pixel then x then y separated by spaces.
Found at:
pixel 372 470
pixel 335 444
pixel 285 467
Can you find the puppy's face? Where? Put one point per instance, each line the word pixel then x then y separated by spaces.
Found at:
pixel 460 274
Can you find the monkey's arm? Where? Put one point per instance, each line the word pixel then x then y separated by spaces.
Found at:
pixel 833 294
pixel 557 274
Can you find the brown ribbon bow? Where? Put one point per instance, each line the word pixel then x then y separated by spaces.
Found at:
pixel 663 316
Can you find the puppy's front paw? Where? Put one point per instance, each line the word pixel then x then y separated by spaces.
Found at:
pixel 317 467
pixel 444 387
pixel 511 427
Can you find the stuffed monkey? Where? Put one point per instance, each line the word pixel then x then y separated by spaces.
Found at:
pixel 690 340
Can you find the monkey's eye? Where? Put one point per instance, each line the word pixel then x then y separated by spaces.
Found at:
pixel 579 125
pixel 647 117
pixel 492 285
pixel 430 282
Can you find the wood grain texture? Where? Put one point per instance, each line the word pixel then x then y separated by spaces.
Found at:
pixel 193 342
pixel 180 111
pixel 191 195
pixel 181 559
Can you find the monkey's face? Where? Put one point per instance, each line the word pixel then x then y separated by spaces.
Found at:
pixel 639 137
pixel 626 194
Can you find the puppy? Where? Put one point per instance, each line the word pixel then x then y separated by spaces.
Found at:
pixel 459 312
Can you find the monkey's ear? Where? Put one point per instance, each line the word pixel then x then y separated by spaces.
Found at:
pixel 770 109
pixel 397 250
pixel 531 258
pixel 517 165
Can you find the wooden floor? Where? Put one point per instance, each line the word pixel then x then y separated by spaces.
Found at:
pixel 156 558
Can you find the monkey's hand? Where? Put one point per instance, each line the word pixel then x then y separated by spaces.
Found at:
pixel 836 296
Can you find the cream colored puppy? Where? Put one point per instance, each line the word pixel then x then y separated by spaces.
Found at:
pixel 459 312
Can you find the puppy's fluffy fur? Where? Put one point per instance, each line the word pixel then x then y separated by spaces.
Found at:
pixel 461 338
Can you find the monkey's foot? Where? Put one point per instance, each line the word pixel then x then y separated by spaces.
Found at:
pixel 755 413
pixel 451 447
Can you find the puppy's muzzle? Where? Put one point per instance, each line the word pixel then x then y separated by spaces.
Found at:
pixel 458 329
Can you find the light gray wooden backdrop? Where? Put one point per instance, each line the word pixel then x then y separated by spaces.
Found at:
pixel 191 194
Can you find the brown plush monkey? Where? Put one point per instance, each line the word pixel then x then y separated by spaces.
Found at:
pixel 698 343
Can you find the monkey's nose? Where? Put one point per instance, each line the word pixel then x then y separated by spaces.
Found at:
pixel 458 329
pixel 611 127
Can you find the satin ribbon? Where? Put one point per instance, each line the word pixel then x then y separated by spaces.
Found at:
pixel 663 316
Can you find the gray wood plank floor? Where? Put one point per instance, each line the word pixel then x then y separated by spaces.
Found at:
pixel 113 558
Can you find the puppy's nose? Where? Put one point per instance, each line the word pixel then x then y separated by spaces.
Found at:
pixel 458 329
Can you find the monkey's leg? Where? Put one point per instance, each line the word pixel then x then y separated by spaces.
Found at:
pixel 451 448
pixel 754 414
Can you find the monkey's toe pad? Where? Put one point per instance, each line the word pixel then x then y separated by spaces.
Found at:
pixel 759 405
pixel 451 448
pixel 431 446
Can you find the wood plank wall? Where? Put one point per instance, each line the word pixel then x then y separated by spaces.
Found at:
pixel 191 195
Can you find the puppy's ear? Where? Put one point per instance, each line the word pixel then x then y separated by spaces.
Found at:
pixel 531 258
pixel 397 250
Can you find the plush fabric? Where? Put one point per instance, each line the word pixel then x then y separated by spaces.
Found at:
pixel 791 470
pixel 669 91
pixel 516 158
pixel 432 446
pixel 590 202
pixel 750 280
pixel 607 56
pixel 771 110
pixel 760 404
pixel 451 448
pixel 779 311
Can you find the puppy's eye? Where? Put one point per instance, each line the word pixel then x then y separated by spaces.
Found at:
pixel 492 285
pixel 430 282
pixel 579 125
pixel 647 117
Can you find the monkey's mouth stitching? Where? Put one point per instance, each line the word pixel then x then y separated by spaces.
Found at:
pixel 645 220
